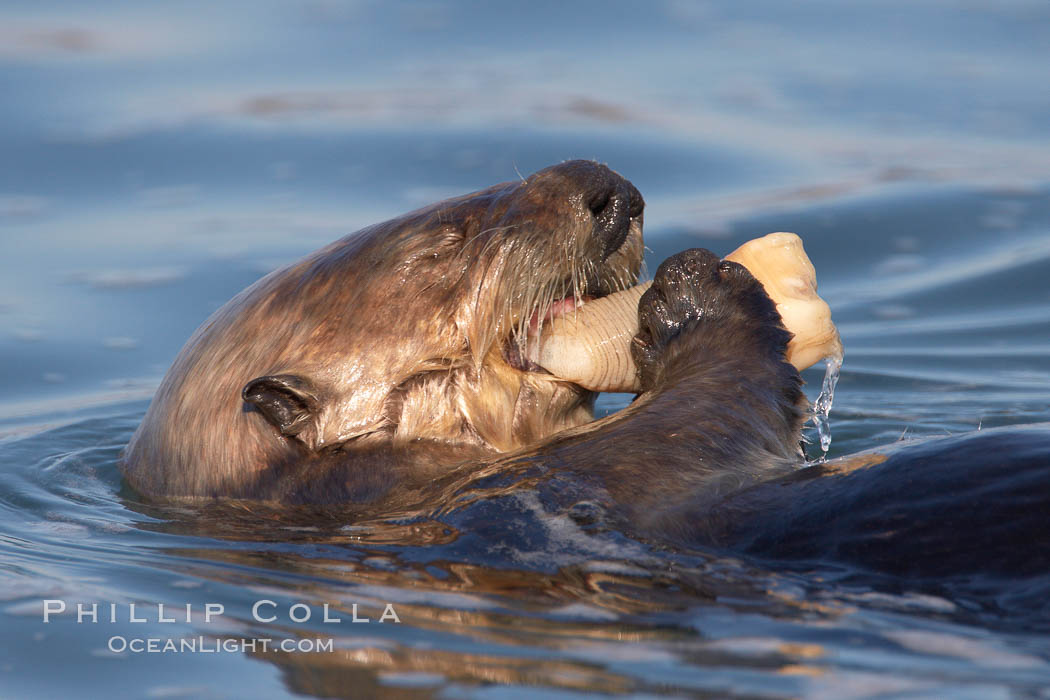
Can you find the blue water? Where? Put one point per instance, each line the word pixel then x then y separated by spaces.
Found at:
pixel 156 159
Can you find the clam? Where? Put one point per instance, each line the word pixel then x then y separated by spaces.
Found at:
pixel 592 345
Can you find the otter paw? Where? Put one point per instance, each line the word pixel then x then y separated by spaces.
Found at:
pixel 696 300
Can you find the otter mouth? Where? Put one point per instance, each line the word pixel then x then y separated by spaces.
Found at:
pixel 519 348
pixel 607 273
pixel 523 344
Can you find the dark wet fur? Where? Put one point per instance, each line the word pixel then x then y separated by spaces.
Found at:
pixel 976 503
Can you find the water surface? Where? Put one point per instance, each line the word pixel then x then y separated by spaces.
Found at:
pixel 158 159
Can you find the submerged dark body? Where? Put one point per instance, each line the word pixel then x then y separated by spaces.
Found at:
pixel 381 375
pixel 971 503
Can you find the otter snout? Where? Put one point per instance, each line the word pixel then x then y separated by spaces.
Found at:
pixel 601 193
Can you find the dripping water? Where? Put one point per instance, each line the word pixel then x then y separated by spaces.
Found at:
pixel 822 407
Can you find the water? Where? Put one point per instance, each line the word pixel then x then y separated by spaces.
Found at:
pixel 825 399
pixel 158 159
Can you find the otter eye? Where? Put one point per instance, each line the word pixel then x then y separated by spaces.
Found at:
pixel 287 401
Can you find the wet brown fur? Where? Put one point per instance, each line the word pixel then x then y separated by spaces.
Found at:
pixel 399 334
pixel 400 329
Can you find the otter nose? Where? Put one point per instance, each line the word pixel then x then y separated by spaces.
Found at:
pixel 613 205
pixel 610 198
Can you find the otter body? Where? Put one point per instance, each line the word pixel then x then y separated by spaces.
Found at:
pixel 385 372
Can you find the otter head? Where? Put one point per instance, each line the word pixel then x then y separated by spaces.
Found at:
pixel 409 331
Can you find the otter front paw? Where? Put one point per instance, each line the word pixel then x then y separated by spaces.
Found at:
pixel 699 304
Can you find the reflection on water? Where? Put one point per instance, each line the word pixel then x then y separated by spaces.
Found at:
pixel 159 159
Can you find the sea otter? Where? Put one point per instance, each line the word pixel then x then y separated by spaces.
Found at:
pixel 392 348
pixel 388 370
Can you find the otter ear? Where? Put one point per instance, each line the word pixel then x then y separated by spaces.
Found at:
pixel 286 400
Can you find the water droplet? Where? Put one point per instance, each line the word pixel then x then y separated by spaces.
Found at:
pixel 822 407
